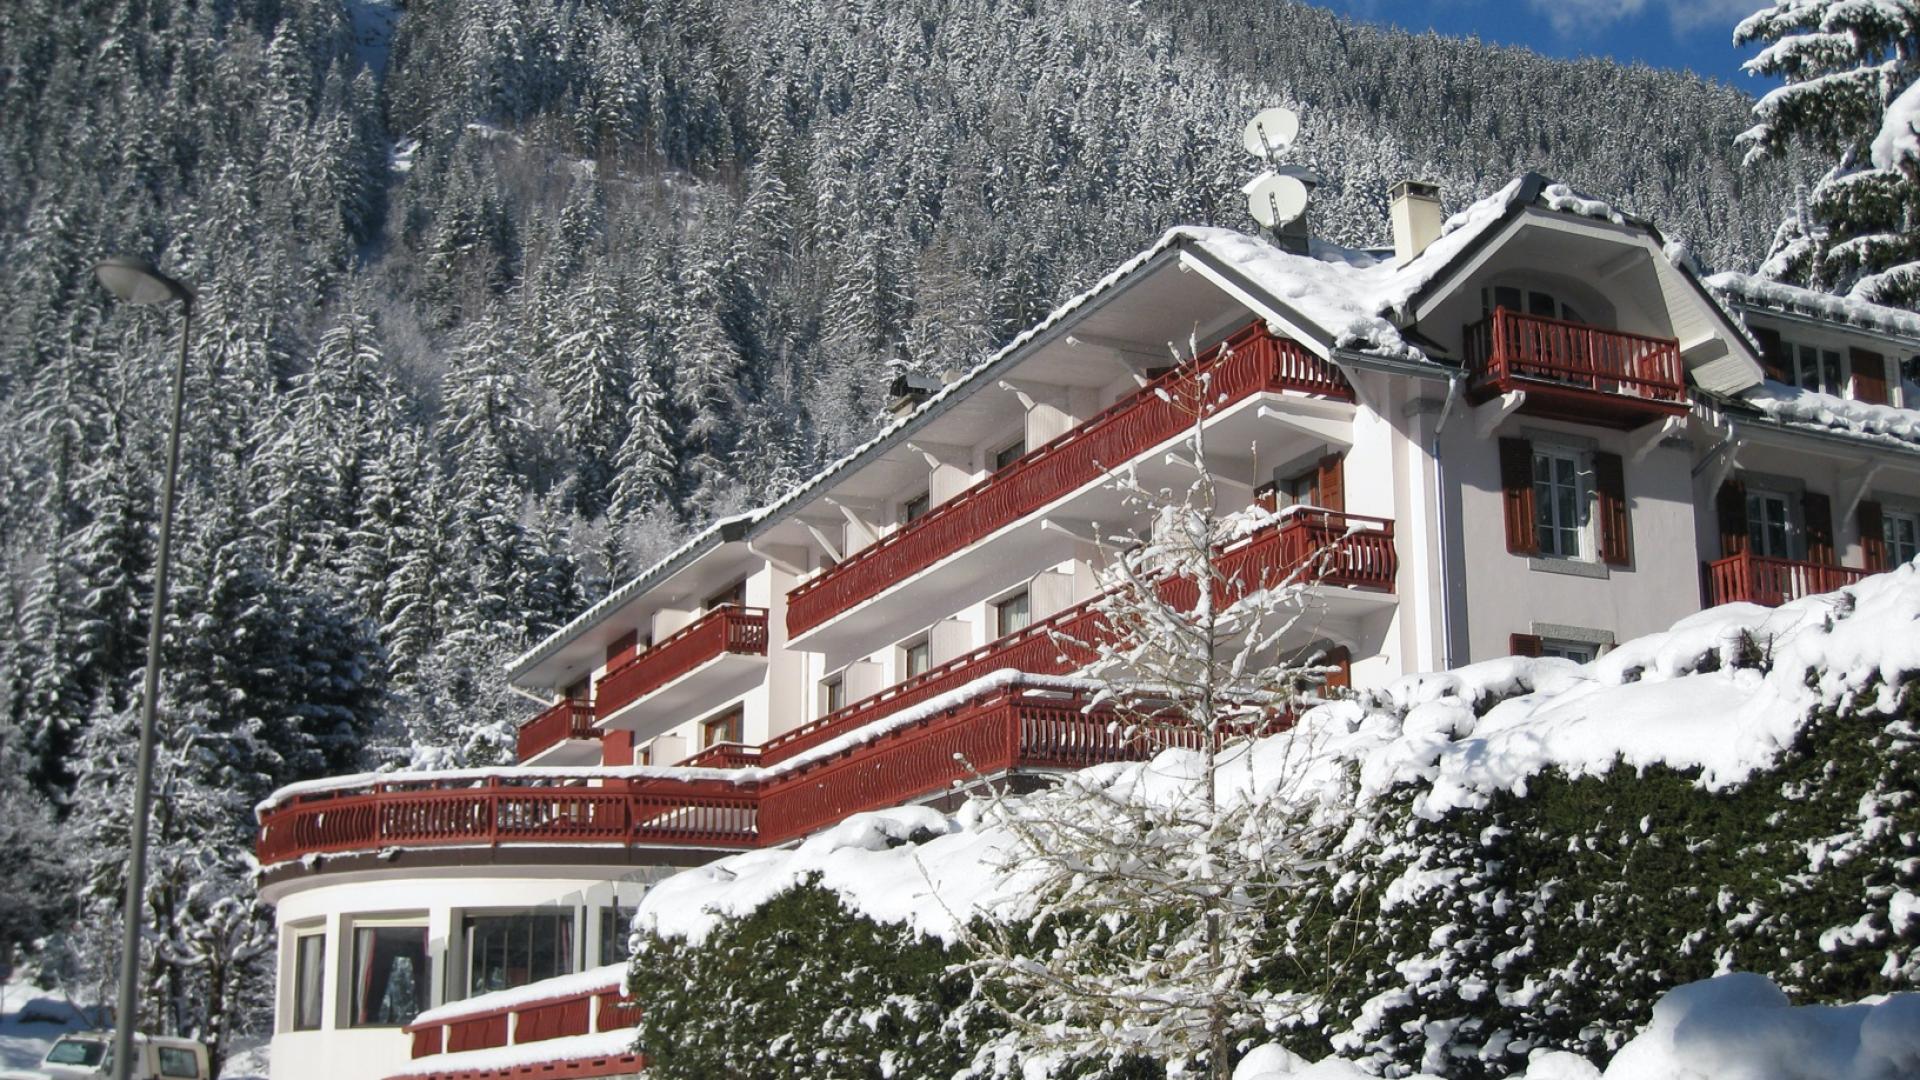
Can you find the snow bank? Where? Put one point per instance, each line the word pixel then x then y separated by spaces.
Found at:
pixel 1687 698
pixel 1881 423
pixel 1731 1027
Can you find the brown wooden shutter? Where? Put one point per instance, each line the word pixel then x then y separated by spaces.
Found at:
pixel 1341 660
pixel 1516 491
pixel 1332 484
pixel 1773 354
pixel 1869 376
pixel 1616 525
pixel 1731 505
pixel 1873 539
pixel 1816 510
pixel 1523 644
pixel 623 648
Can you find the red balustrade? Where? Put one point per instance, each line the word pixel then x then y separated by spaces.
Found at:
pixel 456 1028
pixel 1507 345
pixel 1758 579
pixel 1252 361
pixel 568 719
pixel 726 755
pixel 502 809
pixel 1354 551
pixel 725 629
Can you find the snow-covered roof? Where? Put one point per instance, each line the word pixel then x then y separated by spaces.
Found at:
pixel 1759 293
pixel 1884 425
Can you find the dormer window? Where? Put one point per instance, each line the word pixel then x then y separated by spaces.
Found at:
pixel 1528 302
pixel 1811 367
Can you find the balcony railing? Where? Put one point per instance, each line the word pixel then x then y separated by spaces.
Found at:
pixel 1508 346
pixel 1357 551
pixel 499 809
pixel 1250 362
pixel 587 1003
pixel 1758 579
pixel 566 720
pixel 726 629
pixel 726 755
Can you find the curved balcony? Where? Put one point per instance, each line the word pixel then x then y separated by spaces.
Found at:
pixel 500 808
pixel 719 656
pixel 564 1013
pixel 1253 362
pixel 1758 579
pixel 562 735
pixel 1570 371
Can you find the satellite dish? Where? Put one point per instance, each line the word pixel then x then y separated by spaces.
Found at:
pixel 1271 132
pixel 1276 200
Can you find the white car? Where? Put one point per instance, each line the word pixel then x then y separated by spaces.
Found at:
pixel 88 1055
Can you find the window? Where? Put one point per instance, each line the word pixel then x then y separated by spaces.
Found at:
pixel 177 1061
pixel 616 928
pixel 505 951
pixel 916 508
pixel 309 980
pixel 1814 368
pixel 77 1052
pixel 1528 301
pixel 390 975
pixel 1007 455
pixel 1012 615
pixel 734 595
pixel 915 658
pixel 833 694
pixel 1902 533
pixel 1770 524
pixel 1580 652
pixel 1561 496
pixel 728 727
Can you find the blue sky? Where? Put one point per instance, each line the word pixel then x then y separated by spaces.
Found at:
pixel 1693 34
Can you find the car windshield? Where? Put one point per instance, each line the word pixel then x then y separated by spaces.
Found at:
pixel 76 1052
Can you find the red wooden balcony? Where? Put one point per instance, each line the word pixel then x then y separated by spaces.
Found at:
pixel 587 1005
pixel 567 721
pixel 1253 361
pixel 723 632
pixel 726 755
pixel 1357 552
pixel 1757 579
pixel 1576 372
pixel 501 809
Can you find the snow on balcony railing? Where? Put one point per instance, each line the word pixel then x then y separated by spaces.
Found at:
pixel 565 720
pixel 1252 361
pixel 570 1025
pixel 1507 345
pixel 1758 579
pixel 726 755
pixel 725 629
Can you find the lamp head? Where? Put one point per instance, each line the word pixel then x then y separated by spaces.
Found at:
pixel 137 281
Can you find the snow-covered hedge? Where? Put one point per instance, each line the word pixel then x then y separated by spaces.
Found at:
pixel 1543 850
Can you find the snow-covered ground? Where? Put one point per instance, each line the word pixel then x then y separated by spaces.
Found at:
pixel 30 1020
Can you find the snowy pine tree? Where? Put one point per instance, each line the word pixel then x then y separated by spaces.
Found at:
pixel 1850 68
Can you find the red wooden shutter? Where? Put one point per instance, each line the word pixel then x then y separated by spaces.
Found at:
pixel 1341 660
pixel 1873 540
pixel 1516 491
pixel 1616 524
pixel 1869 376
pixel 1731 505
pixel 1333 488
pixel 1523 644
pixel 1773 354
pixel 1817 511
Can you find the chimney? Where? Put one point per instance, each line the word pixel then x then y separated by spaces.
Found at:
pixel 1415 210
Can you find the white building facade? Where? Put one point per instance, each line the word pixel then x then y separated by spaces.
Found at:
pixel 1533 430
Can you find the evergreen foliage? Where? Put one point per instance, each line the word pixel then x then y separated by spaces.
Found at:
pixel 1845 64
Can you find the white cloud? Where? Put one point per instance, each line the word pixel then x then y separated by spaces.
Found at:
pixel 1573 17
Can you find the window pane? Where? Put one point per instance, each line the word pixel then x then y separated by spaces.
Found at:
pixel 916 659
pixel 1009 454
pixel 1539 303
pixel 309 980
pixel 390 976
pixel 505 951
pixel 1506 296
pixel 175 1061
pixel 1013 614
pixel 616 929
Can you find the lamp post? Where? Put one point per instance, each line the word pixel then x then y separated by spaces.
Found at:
pixel 137 281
